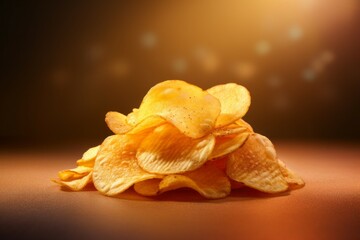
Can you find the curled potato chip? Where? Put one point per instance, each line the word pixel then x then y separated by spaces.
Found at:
pixel 256 166
pixel 227 144
pixel 235 101
pixel 167 151
pixel 76 184
pixel 242 123
pixel 189 108
pixel 291 177
pixel 208 180
pixel 88 158
pixel 117 123
pixel 148 187
pixel 74 173
pixel 116 168
pixel 294 181
pixel 76 178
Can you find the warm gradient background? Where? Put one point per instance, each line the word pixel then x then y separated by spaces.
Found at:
pixel 66 63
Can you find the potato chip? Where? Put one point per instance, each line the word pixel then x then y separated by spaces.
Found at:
pixel 254 165
pixel 116 168
pixel 242 123
pixel 117 123
pixel 293 180
pixel 209 181
pixel 227 144
pixel 231 129
pixel 166 151
pixel 74 173
pixel 291 177
pixel 189 108
pixel 148 187
pixel 76 184
pixel 88 158
pixel 235 101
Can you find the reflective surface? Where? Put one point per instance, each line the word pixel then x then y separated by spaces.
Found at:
pixel 328 207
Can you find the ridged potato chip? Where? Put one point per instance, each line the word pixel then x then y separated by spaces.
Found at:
pixel 208 181
pixel 235 101
pixel 76 178
pixel 76 184
pixel 116 168
pixel 227 144
pixel 189 108
pixel 117 123
pixel 148 187
pixel 256 166
pixel 167 151
pixel 74 173
pixel 294 180
pixel 88 158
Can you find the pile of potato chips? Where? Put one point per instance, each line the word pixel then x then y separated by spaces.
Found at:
pixel 183 137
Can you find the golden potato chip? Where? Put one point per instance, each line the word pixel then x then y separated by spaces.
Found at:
pixel 88 158
pixel 208 180
pixel 116 168
pixel 166 151
pixel 147 124
pixel 291 178
pixel 148 187
pixel 242 123
pixel 227 144
pixel 254 165
pixel 76 184
pixel 189 108
pixel 74 173
pixel 229 130
pixel 235 101
pixel 117 123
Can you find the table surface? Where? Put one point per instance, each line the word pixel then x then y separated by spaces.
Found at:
pixel 328 207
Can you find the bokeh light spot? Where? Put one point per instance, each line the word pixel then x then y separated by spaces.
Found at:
pixel 149 40
pixel 179 65
pixel 262 47
pixel 244 70
pixel 309 75
pixel 295 33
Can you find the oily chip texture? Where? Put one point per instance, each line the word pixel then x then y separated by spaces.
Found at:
pixel 235 101
pixel 256 166
pixel 183 137
pixel 227 144
pixel 167 151
pixel 88 158
pixel 116 168
pixel 184 105
pixel 75 179
pixel 208 181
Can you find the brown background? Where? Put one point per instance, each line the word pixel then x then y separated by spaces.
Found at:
pixel 65 63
